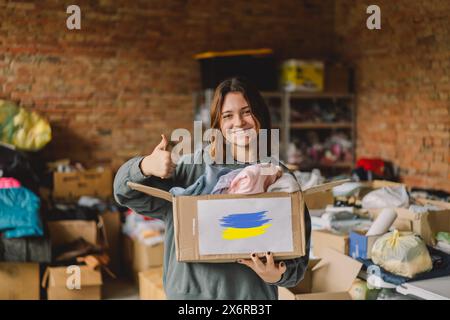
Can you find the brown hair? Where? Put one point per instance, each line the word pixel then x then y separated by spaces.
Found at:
pixel 259 109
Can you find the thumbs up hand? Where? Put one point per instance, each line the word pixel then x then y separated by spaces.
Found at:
pixel 159 162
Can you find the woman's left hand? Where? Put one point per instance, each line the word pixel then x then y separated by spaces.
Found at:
pixel 270 271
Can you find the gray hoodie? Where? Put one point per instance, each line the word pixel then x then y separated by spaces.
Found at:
pixel 199 280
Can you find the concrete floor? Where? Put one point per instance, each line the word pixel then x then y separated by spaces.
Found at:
pixel 120 289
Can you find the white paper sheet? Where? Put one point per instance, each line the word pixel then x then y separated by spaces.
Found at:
pixel 273 220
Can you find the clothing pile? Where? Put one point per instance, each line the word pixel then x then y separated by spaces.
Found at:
pixel 148 231
pixel 313 149
pixel 252 179
pixel 21 229
pixel 86 208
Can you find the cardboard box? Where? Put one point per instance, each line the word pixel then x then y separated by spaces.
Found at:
pixel 66 231
pixel 361 245
pixel 322 239
pixel 319 200
pixel 72 185
pixel 55 280
pixel 302 75
pixel 151 284
pixel 19 281
pixel 424 224
pixel 329 278
pixel 186 221
pixel 139 257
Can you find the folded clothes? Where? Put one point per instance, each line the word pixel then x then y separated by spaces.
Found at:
pixel 255 179
pixel 204 184
pixel 224 182
pixel 387 197
pixel 443 236
pixel 286 183
pixel 346 189
pixel 443 246
pixel 6 183
pixel 423 209
pixel 19 213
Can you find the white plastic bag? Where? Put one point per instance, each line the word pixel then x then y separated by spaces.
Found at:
pixel 387 197
pixel 402 253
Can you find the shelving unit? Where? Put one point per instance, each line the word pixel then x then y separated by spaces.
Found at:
pixel 284 102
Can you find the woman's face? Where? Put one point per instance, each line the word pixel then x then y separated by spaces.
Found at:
pixel 237 120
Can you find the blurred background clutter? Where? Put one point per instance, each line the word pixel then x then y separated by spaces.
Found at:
pixel 370 106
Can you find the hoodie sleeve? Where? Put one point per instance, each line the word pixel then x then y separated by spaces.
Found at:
pixel 296 268
pixel 136 200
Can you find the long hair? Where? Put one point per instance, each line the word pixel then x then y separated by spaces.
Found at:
pixel 259 110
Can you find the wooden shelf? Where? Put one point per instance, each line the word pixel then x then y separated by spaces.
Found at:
pixel 320 125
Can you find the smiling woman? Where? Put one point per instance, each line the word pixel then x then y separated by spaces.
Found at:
pixel 239 111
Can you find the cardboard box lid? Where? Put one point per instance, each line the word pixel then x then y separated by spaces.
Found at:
pixel 334 273
pixel 324 296
pixel 57 277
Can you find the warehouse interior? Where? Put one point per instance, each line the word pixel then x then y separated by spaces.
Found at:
pixel 358 91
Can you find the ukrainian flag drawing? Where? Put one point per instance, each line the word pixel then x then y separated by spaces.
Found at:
pixel 244 225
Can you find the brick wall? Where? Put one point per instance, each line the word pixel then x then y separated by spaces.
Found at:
pixel 403 86
pixel 128 75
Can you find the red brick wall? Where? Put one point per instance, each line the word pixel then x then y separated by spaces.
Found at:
pixel 403 86
pixel 128 75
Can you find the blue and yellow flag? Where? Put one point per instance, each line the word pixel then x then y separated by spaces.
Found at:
pixel 244 225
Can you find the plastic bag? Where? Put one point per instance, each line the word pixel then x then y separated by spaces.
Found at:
pixel 387 197
pixel 23 129
pixel 402 253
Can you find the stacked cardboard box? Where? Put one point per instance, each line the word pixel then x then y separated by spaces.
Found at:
pixel 19 281
pixel 151 284
pixel 139 257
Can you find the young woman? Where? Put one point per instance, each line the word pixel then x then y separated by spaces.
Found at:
pixel 237 108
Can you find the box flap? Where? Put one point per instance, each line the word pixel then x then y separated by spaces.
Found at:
pixel 57 276
pixel 325 186
pixel 335 272
pixel 155 192
pixel 324 296
pixel 437 203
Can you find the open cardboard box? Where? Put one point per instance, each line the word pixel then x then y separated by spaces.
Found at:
pixel 186 222
pixel 322 239
pixel 55 280
pixel 427 225
pixel 328 278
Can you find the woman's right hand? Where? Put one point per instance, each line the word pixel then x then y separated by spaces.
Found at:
pixel 159 162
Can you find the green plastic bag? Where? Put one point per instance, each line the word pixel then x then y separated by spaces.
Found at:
pixel 23 129
pixel 402 253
